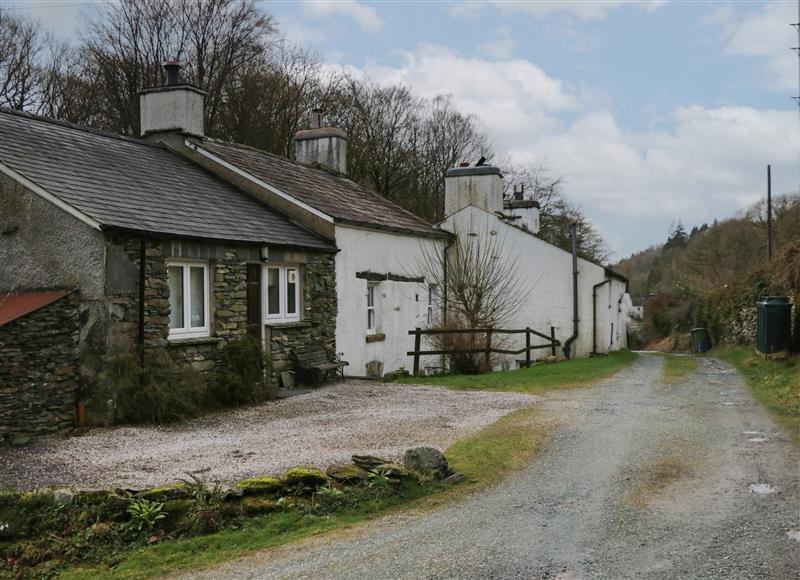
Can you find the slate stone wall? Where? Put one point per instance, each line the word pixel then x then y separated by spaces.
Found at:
pixel 39 370
pixel 318 324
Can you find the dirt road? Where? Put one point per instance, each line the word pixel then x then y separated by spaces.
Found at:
pixel 647 480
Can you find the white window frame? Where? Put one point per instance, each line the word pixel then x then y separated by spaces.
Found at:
pixel 190 331
pixel 372 288
pixel 431 302
pixel 282 315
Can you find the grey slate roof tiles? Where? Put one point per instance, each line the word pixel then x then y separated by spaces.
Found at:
pixel 130 184
pixel 337 196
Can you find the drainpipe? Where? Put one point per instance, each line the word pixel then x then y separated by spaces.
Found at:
pixel 573 232
pixel 142 260
pixel 594 315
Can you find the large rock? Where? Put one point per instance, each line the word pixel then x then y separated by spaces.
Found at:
pixel 369 462
pixel 427 460
pixel 264 485
pixel 346 473
pixel 310 477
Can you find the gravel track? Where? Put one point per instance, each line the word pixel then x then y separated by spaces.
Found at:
pixel 325 426
pixel 646 481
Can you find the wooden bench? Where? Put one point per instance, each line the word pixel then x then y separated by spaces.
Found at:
pixel 315 364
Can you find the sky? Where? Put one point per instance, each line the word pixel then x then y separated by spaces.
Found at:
pixel 651 111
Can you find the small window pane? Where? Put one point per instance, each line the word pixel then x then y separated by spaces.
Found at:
pixel 176 297
pixel 273 291
pixel 370 296
pixel 197 291
pixel 291 291
pixel 371 319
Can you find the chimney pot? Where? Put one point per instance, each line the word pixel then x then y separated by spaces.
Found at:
pixel 173 70
pixel 316 118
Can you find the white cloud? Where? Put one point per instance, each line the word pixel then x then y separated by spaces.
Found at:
pixel 365 16
pixel 502 46
pixel 514 97
pixel 582 9
pixel 704 162
pixel 764 34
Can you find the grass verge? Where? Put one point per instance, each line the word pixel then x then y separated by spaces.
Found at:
pixel 677 367
pixel 539 377
pixel 775 382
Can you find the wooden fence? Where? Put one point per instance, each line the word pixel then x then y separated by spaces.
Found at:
pixel 488 349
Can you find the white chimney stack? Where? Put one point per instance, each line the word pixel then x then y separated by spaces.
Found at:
pixel 522 212
pixel 320 146
pixel 479 185
pixel 174 107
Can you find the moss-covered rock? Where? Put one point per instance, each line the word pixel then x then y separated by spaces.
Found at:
pixel 393 470
pixel 264 485
pixel 255 506
pixel 178 490
pixel 346 473
pixel 177 510
pixel 310 477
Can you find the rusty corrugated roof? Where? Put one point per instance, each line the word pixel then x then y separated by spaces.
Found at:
pixel 17 304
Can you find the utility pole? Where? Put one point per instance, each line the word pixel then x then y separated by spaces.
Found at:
pixel 769 211
pixel 797 98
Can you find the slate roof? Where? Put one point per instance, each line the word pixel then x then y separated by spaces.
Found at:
pixel 337 196
pixel 135 185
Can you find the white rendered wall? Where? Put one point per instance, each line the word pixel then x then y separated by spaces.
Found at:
pixel 400 306
pixel 547 271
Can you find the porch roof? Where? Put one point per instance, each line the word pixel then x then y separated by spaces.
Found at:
pixel 14 305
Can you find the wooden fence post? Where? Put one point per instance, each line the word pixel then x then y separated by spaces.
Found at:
pixel 489 349
pixel 417 344
pixel 527 348
pixel 553 340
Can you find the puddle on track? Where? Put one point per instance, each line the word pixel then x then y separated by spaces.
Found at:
pixel 757 439
pixel 794 534
pixel 762 488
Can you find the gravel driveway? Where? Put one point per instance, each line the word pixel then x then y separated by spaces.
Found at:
pixel 690 480
pixel 325 426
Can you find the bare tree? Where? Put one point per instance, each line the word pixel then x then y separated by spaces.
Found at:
pixel 21 45
pixel 479 282
pixel 556 213
pixel 127 43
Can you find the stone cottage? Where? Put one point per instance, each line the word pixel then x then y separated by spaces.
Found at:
pixel 380 280
pixel 158 252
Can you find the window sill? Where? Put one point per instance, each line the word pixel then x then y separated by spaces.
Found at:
pixel 288 324
pixel 190 340
pixel 380 337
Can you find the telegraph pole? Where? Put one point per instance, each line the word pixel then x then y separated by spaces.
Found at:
pixel 797 98
pixel 769 212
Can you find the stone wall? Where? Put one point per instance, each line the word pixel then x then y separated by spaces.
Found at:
pixel 39 370
pixel 318 324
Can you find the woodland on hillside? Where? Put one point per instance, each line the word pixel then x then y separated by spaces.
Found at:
pixel 712 275
pixel 260 91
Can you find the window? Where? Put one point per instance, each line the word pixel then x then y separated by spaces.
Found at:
pixel 372 323
pixel 282 293
pixel 188 299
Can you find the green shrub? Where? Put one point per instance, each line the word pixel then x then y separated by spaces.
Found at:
pixel 160 392
pixel 239 377
pixel 145 514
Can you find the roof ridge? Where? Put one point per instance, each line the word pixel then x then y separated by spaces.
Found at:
pixel 76 126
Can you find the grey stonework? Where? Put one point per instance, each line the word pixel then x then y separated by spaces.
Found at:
pixel 318 324
pixel 39 370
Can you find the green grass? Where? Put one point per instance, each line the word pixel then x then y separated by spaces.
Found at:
pixel 774 382
pixel 677 367
pixel 539 377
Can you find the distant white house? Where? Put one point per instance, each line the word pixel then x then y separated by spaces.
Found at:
pixel 475 208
